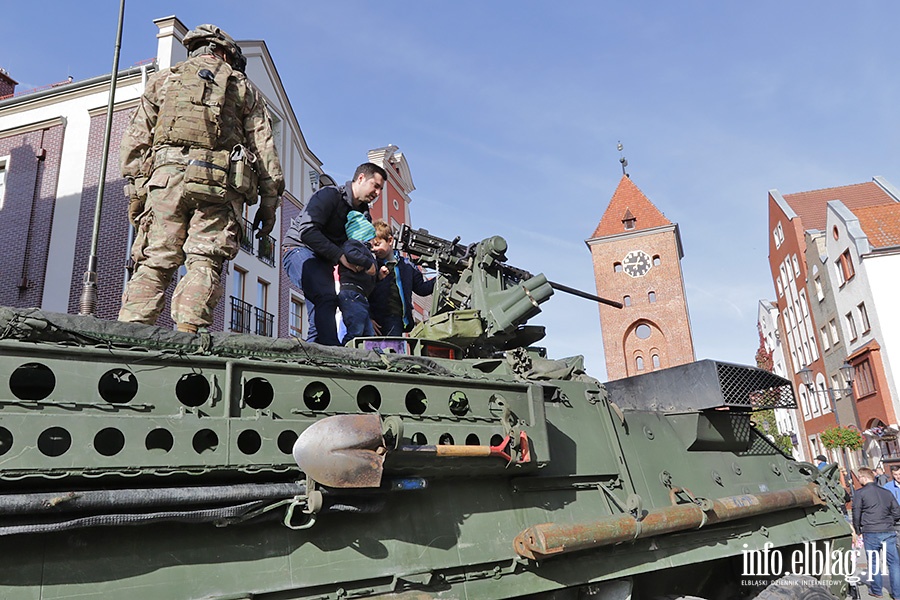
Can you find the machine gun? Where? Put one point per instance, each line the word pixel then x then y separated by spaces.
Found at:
pixel 480 303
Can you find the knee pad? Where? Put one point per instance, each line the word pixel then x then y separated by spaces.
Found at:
pixel 204 262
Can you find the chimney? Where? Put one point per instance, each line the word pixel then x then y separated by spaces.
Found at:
pixel 169 50
pixel 7 84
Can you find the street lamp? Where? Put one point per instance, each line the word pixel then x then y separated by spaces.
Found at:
pixel 847 372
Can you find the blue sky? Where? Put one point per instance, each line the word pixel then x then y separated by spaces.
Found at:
pixel 509 114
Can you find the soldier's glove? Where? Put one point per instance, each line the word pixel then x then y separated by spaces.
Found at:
pixel 136 190
pixel 265 216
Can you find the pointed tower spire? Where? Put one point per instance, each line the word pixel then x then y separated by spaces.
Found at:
pixel 629 206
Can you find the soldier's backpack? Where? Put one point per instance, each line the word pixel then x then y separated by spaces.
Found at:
pixel 199 114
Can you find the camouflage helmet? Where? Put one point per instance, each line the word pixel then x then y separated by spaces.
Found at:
pixel 204 35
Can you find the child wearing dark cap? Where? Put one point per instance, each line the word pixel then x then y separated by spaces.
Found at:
pixel 353 299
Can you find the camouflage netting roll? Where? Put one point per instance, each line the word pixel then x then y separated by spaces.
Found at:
pixel 35 325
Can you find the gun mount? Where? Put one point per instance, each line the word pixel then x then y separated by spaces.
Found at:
pixel 480 303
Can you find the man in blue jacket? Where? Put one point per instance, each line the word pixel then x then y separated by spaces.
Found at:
pixel 313 246
pixel 391 302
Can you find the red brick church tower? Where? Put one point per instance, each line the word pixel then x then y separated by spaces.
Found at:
pixel 637 255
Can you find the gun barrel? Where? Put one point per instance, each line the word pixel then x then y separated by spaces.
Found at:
pixel 585 295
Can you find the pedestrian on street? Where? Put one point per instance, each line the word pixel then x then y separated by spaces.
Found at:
pixel 875 510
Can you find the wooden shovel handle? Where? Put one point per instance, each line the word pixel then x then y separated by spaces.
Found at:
pixel 503 450
pixel 450 450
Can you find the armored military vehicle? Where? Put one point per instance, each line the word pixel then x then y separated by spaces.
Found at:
pixel 140 463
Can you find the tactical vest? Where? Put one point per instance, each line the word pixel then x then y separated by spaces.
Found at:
pixel 198 111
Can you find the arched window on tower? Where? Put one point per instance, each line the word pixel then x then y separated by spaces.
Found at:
pixel 651 296
pixel 626 300
pixel 617 267
pixel 656 261
pixel 655 359
pixel 639 363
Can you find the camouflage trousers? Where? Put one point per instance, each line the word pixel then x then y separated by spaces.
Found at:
pixel 174 230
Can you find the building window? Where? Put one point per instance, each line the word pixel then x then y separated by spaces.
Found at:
pixel 825 343
pixel 276 129
pixel 237 283
pixel 651 296
pixel 617 267
pixel 844 268
pixel 822 393
pixel 780 288
pixel 804 402
pixel 4 161
pixel 865 383
pixel 851 326
pixel 796 265
pixel 296 318
pixel 264 319
pixel 265 250
pixel 778 235
pixel 864 317
pixel 655 359
pixel 240 310
pixel 656 261
pixel 804 305
pixel 832 327
pixel 820 293
pixel 639 363
pixel 262 294
pixel 626 300
pixel 629 223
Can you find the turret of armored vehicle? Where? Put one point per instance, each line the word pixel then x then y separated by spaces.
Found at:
pixel 140 463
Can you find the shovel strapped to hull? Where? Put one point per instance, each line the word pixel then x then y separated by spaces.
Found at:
pixel 349 451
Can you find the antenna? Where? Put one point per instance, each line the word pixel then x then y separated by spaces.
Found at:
pixel 622 159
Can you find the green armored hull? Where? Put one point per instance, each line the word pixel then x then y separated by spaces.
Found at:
pixel 141 463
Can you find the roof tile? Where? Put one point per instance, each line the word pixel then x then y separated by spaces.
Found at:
pixel 881 224
pixel 811 206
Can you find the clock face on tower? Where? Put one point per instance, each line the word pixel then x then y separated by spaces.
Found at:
pixel 636 263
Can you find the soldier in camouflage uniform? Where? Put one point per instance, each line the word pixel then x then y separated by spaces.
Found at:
pixel 198 147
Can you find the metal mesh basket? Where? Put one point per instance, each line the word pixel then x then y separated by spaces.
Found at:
pixel 754 388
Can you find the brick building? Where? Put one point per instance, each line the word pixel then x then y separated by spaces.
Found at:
pixel 50 155
pixel 833 255
pixel 637 256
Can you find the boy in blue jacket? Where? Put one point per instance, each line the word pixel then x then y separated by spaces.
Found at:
pixel 390 303
pixel 356 286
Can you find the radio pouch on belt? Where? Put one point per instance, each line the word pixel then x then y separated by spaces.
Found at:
pixel 242 176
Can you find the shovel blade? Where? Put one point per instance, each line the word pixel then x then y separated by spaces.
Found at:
pixel 342 451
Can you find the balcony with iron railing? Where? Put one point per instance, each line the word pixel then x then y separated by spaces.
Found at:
pixel 246 235
pixel 265 250
pixel 240 315
pixel 264 322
